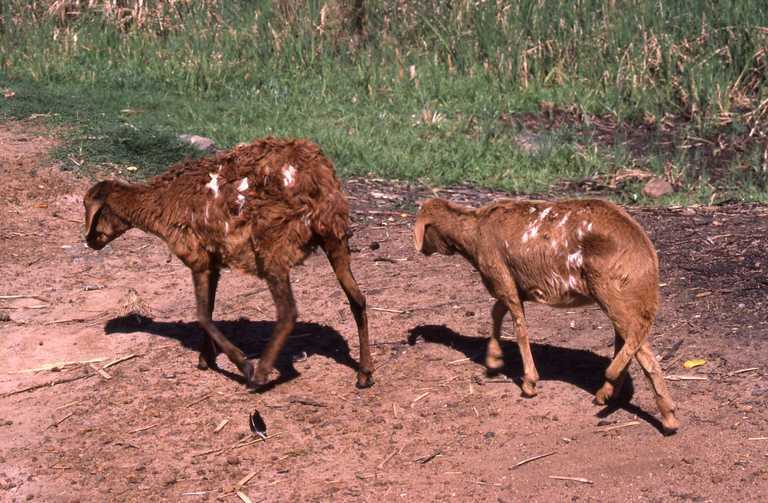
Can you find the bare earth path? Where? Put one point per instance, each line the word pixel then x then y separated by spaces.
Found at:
pixel 433 428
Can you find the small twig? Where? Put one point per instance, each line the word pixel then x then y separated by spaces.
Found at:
pixel 234 446
pixel 36 306
pixel 202 399
pixel 758 438
pixel 195 493
pixel 480 482
pixel 460 360
pixel 534 458
pixel 741 371
pixel 243 497
pixel 391 455
pixel 14 297
pixel 685 378
pixel 617 426
pixel 426 459
pixel 145 428
pixel 76 320
pixel 70 404
pixel 221 426
pixel 306 401
pixel 419 398
pixel 245 480
pixel 57 365
pixel 101 372
pixel 574 479
pixel 61 420
pixel 46 384
pixel 120 360
pixel 383 309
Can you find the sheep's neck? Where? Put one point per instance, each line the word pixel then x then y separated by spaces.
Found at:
pixel 143 207
pixel 462 235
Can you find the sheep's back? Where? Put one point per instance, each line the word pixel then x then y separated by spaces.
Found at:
pixel 268 194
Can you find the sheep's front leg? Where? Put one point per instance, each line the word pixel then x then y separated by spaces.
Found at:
pixel 208 350
pixel 202 282
pixel 530 374
pixel 338 255
pixel 501 285
pixel 280 288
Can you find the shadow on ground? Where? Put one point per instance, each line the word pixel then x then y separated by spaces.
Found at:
pixel 579 367
pixel 251 337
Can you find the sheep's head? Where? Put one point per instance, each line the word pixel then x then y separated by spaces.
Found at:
pixel 102 225
pixel 427 235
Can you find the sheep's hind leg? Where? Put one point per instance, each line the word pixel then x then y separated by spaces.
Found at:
pixel 494 357
pixel 338 255
pixel 664 402
pixel 208 350
pixel 280 288
pixel 618 367
pixel 202 282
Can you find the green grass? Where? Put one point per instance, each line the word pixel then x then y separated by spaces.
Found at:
pixel 233 71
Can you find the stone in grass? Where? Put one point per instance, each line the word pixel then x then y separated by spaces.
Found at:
pixel 657 187
pixel 199 142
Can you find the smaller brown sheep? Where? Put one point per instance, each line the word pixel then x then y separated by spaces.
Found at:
pixel 563 254
pixel 261 208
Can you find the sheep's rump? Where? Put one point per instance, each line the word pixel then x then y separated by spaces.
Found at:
pixel 276 196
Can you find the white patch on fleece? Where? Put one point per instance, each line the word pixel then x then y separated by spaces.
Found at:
pixel 584 227
pixel 564 220
pixel 306 221
pixel 575 260
pixel 226 227
pixel 530 232
pixel 213 184
pixel 289 175
pixel 241 198
pixel 533 229
pixel 532 209
pixel 207 205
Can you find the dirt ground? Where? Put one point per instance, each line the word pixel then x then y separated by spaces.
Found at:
pixel 433 428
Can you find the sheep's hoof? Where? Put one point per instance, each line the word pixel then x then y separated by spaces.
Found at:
pixel 204 363
pixel 493 365
pixel 670 424
pixel 529 389
pixel 604 394
pixel 254 377
pixel 364 380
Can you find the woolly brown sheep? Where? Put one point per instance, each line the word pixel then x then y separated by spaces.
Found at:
pixel 260 208
pixel 562 254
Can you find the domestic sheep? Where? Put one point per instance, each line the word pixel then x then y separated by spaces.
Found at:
pixel 260 208
pixel 563 254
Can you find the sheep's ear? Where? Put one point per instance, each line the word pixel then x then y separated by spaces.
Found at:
pixel 97 197
pixel 418 234
pixel 91 216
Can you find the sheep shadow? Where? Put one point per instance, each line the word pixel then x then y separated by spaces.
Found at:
pixel 251 337
pixel 579 367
